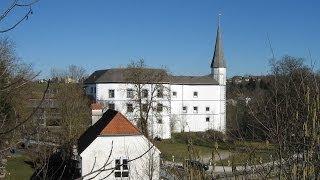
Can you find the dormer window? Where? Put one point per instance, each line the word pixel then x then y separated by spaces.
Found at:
pixel 195 94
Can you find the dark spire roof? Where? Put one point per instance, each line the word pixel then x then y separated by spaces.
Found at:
pixel 218 60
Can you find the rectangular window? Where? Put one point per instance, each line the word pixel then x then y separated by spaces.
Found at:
pixel 159 120
pixel 129 108
pixel 117 167
pixel 195 109
pixel 145 93
pixel 94 90
pixel 111 106
pixel 129 93
pixel 91 90
pixel 159 107
pixel 125 164
pixel 121 168
pixel 195 94
pixel 207 119
pixel 184 109
pixel 174 94
pixel 207 109
pixel 117 174
pixel 111 93
pixel 160 93
pixel 144 107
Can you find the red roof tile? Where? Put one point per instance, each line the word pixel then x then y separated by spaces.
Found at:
pixel 120 125
pixel 111 123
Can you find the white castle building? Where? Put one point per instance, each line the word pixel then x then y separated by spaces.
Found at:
pixel 194 103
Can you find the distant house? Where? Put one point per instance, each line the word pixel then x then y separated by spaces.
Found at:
pixel 113 148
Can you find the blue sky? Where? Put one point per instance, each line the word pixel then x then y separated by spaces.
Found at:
pixel 178 34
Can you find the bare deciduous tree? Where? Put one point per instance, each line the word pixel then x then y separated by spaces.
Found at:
pixel 149 94
pixel 16 4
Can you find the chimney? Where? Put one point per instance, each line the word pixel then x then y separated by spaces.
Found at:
pixel 96 113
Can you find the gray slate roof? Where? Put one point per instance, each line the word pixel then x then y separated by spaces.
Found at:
pixel 218 60
pixel 118 75
pixel 197 80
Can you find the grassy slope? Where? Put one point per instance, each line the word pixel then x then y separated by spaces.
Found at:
pixel 18 169
pixel 179 150
pixel 177 146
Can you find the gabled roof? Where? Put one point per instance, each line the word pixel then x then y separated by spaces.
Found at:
pixel 112 123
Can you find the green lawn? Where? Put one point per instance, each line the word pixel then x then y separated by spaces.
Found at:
pixel 241 158
pixel 242 151
pixel 180 150
pixel 18 169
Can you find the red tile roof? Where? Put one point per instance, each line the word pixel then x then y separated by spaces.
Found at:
pixel 111 123
pixel 120 125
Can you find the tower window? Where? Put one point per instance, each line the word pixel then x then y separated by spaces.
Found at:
pixel 195 94
pixel 207 119
pixel 111 93
pixel 195 109
pixel 207 109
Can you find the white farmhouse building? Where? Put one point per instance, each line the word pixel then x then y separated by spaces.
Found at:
pixel 196 103
pixel 113 148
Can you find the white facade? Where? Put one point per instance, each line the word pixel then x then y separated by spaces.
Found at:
pixel 197 113
pixel 189 107
pixel 129 147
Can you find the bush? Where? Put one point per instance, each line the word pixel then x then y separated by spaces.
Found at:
pixel 207 138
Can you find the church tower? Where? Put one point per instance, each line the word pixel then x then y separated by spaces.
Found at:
pixel 219 73
pixel 218 63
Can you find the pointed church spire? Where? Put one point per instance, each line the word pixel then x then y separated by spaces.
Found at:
pixel 218 60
